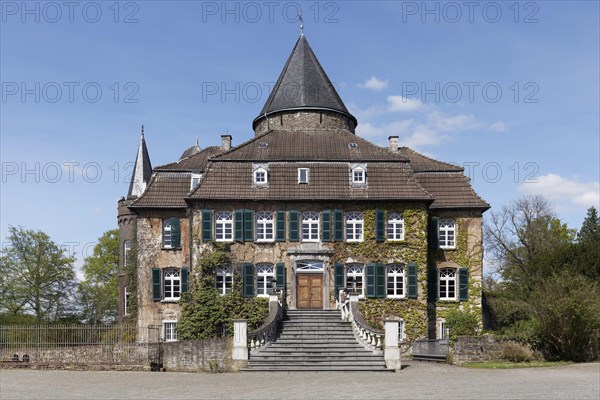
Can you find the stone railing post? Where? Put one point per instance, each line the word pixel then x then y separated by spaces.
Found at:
pixel 240 341
pixel 391 350
pixel 353 299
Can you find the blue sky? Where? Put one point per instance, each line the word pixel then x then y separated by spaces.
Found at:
pixel 501 87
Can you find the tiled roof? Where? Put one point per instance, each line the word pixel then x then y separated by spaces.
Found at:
pixel 421 163
pixel 328 181
pixel 303 84
pixel 450 190
pixel 309 145
pixel 194 163
pixel 166 190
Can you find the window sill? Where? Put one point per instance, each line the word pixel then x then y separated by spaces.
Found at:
pixel 173 300
pixel 395 240
pixel 448 248
pixel 170 248
pixel 266 241
pixel 354 240
pixel 396 297
pixel 223 240
pixel 448 300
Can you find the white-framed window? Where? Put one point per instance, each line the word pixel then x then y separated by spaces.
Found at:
pixel 303 175
pixel 310 226
pixel 401 331
pixel 359 175
pixel 309 266
pixel 260 176
pixel 264 226
pixel 447 284
pixel 395 281
pixel 224 280
pixel 224 226
pixel 447 233
pixel 395 226
pixel 195 181
pixel 126 252
pixel 167 231
pixel 354 226
pixel 265 276
pixel 170 331
pixel 443 330
pixel 126 300
pixel 172 284
pixel 355 278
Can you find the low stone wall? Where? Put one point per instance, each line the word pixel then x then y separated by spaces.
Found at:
pixel 128 356
pixel 198 355
pixel 474 349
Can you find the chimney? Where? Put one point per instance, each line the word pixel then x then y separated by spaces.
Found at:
pixel 393 144
pixel 225 142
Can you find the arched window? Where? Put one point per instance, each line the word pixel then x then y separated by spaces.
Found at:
pixel 395 281
pixel 354 226
pixel 265 276
pixel 395 226
pixel 447 233
pixel 224 226
pixel 172 284
pixel 264 226
pixel 358 175
pixel 355 278
pixel 224 280
pixel 260 176
pixel 447 284
pixel 310 226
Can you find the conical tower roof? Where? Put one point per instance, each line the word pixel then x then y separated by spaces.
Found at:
pixel 303 85
pixel 142 170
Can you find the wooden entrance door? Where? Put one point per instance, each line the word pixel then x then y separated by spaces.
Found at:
pixel 310 291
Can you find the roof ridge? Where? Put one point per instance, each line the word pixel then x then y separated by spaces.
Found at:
pixel 163 166
pixel 457 168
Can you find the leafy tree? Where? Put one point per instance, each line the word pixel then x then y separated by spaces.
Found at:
pixel 99 291
pixel 461 323
pixel 590 230
pixel 37 276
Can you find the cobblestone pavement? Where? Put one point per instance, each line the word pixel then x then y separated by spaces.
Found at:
pixel 416 381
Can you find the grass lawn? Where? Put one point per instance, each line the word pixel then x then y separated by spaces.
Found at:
pixel 508 364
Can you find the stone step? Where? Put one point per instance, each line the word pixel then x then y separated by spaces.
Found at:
pixel 316 357
pixel 316 346
pixel 305 368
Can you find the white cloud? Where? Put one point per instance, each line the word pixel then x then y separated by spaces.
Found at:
pixel 374 83
pixel 370 130
pixel 564 190
pixel 422 135
pixel 453 123
pixel 403 104
pixel 497 127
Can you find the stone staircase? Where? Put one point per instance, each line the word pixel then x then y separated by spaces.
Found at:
pixel 315 341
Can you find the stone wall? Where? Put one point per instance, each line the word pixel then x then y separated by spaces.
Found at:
pixel 304 120
pixel 467 350
pixel 196 355
pixel 127 357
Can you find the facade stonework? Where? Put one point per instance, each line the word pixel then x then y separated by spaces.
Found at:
pixel 309 209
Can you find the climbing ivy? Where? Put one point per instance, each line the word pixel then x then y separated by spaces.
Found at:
pixel 204 310
pixel 412 312
pixel 130 270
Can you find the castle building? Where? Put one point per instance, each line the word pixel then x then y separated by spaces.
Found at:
pixel 308 207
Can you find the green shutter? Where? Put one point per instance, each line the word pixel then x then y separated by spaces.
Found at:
pixel 239 225
pixel 175 233
pixel 338 280
pixel 338 225
pixel 380 280
pixel 379 225
pixel 326 226
pixel 432 291
pixel 280 274
pixel 248 280
pixel 156 284
pixel 185 287
pixel 248 225
pixel 280 228
pixel 412 280
pixel 463 284
pixel 206 225
pixel 433 232
pixel 371 292
pixel 294 228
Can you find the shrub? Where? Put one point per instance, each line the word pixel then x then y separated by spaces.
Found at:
pixel 461 323
pixel 517 352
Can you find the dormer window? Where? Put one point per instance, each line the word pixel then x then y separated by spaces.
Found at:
pixel 358 175
pixel 260 174
pixel 303 175
pixel 195 181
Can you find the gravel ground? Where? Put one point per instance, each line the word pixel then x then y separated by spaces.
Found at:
pixel 417 380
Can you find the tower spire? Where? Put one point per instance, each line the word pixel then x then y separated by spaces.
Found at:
pixel 301 24
pixel 142 170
